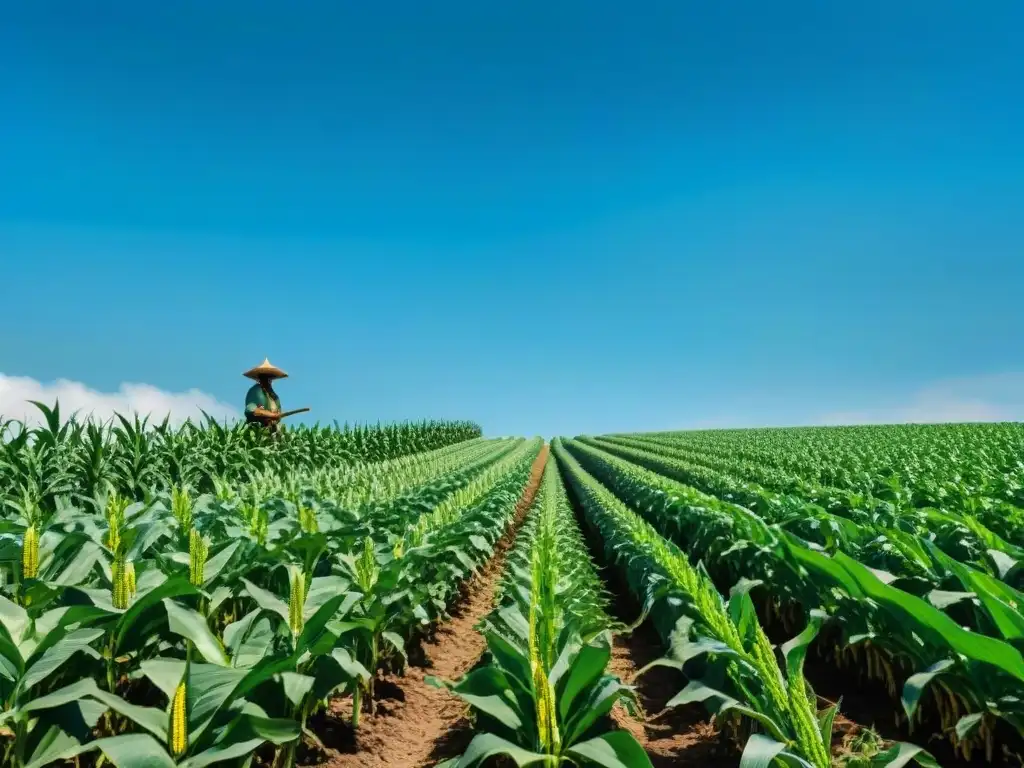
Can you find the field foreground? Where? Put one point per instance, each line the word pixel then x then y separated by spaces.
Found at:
pixel 418 595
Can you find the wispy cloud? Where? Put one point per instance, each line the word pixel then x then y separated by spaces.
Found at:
pixel 984 398
pixel 998 397
pixel 16 392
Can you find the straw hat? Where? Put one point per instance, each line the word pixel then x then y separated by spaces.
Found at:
pixel 265 369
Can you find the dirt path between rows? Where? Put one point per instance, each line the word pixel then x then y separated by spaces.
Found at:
pixel 416 724
pixel 679 737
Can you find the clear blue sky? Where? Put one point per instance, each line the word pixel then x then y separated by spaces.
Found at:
pixel 548 217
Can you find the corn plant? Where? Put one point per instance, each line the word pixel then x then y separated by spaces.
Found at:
pixel 719 644
pixel 404 589
pixel 972 469
pixel 136 457
pixel 544 697
pixel 928 552
pixel 878 528
pixel 37 654
pixel 907 642
pixel 311 643
pixel 207 718
pixel 212 567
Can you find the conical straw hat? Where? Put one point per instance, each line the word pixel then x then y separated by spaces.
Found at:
pixel 266 369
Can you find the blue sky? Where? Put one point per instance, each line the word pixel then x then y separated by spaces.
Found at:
pixel 551 218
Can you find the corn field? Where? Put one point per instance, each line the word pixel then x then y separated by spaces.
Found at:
pixel 205 595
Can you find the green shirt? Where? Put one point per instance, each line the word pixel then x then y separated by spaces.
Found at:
pixel 257 398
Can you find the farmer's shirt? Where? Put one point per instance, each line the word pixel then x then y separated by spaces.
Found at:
pixel 257 398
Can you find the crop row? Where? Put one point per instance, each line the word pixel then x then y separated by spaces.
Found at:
pixel 975 469
pixel 135 458
pixel 717 643
pixel 543 695
pixel 957 565
pixel 243 612
pixel 973 680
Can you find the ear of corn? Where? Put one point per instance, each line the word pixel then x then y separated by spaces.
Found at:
pixel 30 553
pixel 296 600
pixel 178 730
pixel 198 551
pixel 129 572
pixel 122 577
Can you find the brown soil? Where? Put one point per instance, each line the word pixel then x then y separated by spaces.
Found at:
pixel 682 736
pixel 865 704
pixel 417 724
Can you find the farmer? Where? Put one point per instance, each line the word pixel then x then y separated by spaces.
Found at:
pixel 262 405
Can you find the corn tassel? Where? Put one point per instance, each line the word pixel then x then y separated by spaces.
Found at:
pixel 547 715
pixel 116 506
pixel 181 507
pixel 367 569
pixel 307 520
pixel 258 522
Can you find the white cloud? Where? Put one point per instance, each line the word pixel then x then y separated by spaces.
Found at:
pixel 997 397
pixel 16 392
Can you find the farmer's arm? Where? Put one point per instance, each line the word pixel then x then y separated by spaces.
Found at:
pixel 255 405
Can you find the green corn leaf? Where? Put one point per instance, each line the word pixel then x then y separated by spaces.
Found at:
pixel 268 601
pixel 486 745
pixel 129 751
pixel 968 724
pixel 512 661
pixel 14 619
pixel 61 696
pixel 152 719
pixel 826 720
pixel 1005 605
pixel 249 638
pixel 55 656
pixel 596 701
pixel 985 650
pixel 127 633
pixel 762 751
pixel 222 753
pixel 216 563
pixel 901 754
pixel 395 641
pixel 193 627
pixel 486 689
pixel 585 670
pixel 617 749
